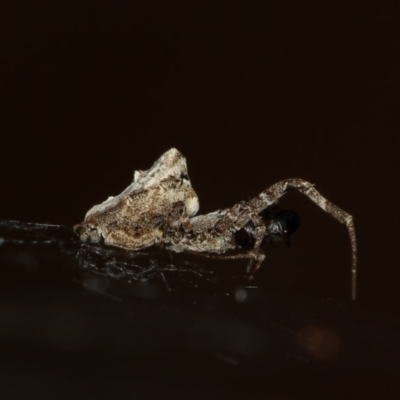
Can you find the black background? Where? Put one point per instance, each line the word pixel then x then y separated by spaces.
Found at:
pixel 249 94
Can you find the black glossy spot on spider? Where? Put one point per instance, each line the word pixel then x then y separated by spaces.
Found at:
pixel 289 220
pixel 246 236
pixel 283 224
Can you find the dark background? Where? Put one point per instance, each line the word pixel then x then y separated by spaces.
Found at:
pixel 249 94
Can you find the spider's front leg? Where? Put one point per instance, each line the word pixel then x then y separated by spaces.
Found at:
pixel 219 233
pixel 276 191
pixel 244 227
pixel 239 216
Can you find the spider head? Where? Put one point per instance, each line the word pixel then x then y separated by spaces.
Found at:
pixel 282 225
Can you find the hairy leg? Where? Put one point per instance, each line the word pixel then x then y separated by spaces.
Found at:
pixel 243 212
pixel 276 191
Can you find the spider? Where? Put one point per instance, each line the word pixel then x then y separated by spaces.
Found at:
pixel 160 207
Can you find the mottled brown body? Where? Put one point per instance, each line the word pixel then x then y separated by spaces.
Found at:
pixel 160 207
pixel 159 200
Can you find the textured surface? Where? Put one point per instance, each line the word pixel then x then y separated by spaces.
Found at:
pixel 139 217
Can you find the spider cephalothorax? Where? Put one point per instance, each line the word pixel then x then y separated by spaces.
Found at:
pixel 160 206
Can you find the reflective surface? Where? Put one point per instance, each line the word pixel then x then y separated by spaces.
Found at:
pixel 101 322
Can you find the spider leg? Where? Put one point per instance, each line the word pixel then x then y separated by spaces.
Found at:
pixel 276 191
pixel 240 214
pixel 256 258
pixel 221 256
pixel 254 263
